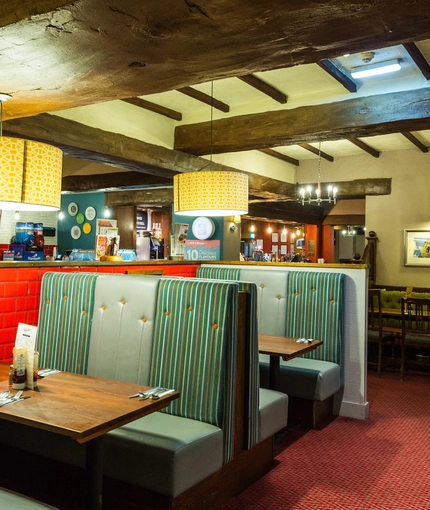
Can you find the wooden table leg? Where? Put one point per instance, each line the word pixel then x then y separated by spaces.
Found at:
pixel 274 372
pixel 94 473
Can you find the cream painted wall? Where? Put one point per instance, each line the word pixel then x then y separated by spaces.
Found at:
pixel 408 206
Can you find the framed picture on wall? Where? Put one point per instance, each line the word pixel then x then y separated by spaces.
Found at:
pixel 417 248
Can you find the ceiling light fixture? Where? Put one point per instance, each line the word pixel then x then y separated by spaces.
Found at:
pixel 210 193
pixel 30 173
pixel 349 232
pixel 306 194
pixel 389 66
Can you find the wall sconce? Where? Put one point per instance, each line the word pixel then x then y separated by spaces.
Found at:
pixel 252 228
pixel 285 230
pixel 293 235
pixel 298 232
pixel 61 215
pixel 236 220
pixel 17 215
pixel 269 229
pixel 107 212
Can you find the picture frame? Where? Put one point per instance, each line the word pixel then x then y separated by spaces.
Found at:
pixel 417 248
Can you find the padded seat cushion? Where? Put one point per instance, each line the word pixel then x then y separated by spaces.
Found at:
pixel 164 453
pixel 13 501
pixel 305 378
pixel 273 413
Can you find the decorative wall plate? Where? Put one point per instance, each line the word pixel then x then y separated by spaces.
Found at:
pixel 80 218
pixel 90 213
pixel 73 208
pixel 75 232
pixel 86 228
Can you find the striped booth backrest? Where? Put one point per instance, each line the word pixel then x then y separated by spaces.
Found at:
pixel 315 310
pixel 194 350
pixel 65 316
pixel 218 273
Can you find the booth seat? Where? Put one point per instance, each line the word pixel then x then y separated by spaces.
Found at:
pixel 299 304
pixel 10 500
pixel 190 335
pixel 392 299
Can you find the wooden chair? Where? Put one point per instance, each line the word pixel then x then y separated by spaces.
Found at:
pixel 415 328
pixel 376 332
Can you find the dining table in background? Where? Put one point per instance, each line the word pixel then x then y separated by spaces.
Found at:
pixel 283 347
pixel 83 408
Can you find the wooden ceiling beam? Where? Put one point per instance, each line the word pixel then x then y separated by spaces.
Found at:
pixel 204 98
pixel 363 146
pixel 413 139
pixel 282 157
pixel 96 182
pixel 152 107
pixel 353 118
pixel 418 58
pixel 91 144
pixel 339 75
pixel 317 152
pixel 264 87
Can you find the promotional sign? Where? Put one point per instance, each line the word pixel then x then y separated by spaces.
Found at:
pixel 202 250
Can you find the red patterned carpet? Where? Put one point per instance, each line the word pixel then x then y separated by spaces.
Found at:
pixel 381 463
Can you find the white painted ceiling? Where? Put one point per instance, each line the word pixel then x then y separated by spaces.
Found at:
pixel 306 85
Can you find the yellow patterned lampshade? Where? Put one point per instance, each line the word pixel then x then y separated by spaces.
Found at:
pixel 212 193
pixel 30 175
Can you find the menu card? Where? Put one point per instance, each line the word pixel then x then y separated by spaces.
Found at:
pixel 26 337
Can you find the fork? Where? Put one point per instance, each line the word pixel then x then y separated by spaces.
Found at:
pixel 11 400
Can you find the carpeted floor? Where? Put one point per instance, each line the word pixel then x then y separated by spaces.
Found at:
pixel 380 463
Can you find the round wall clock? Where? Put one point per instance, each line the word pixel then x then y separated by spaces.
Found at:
pixel 80 218
pixel 90 213
pixel 203 228
pixel 73 208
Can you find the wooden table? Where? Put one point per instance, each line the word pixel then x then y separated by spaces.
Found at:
pixel 83 408
pixel 282 347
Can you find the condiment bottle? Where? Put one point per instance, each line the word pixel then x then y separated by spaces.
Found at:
pixel 35 368
pixel 19 372
pixel 11 370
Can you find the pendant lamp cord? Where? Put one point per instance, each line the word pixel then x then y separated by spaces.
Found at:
pixel 212 109
pixel 1 118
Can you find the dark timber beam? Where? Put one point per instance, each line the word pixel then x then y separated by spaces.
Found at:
pixel 95 182
pixel 264 87
pixel 205 98
pixel 413 139
pixel 282 157
pixel 152 107
pixel 418 58
pixel 363 146
pixel 317 152
pixel 353 118
pixel 340 76
pixel 91 144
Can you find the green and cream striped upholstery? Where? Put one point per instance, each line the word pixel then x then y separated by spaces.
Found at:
pixel 194 350
pixel 63 335
pixel 218 273
pixel 252 362
pixel 315 301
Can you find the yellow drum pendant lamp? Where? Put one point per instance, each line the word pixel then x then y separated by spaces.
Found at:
pixel 212 193
pixel 30 175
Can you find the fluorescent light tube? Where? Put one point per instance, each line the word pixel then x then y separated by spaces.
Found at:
pixel 389 66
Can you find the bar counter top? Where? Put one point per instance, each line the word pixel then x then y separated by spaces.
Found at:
pixel 98 263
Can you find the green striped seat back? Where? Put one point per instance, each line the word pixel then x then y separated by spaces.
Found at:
pixel 315 310
pixel 218 273
pixel 252 374
pixel 194 350
pixel 65 315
